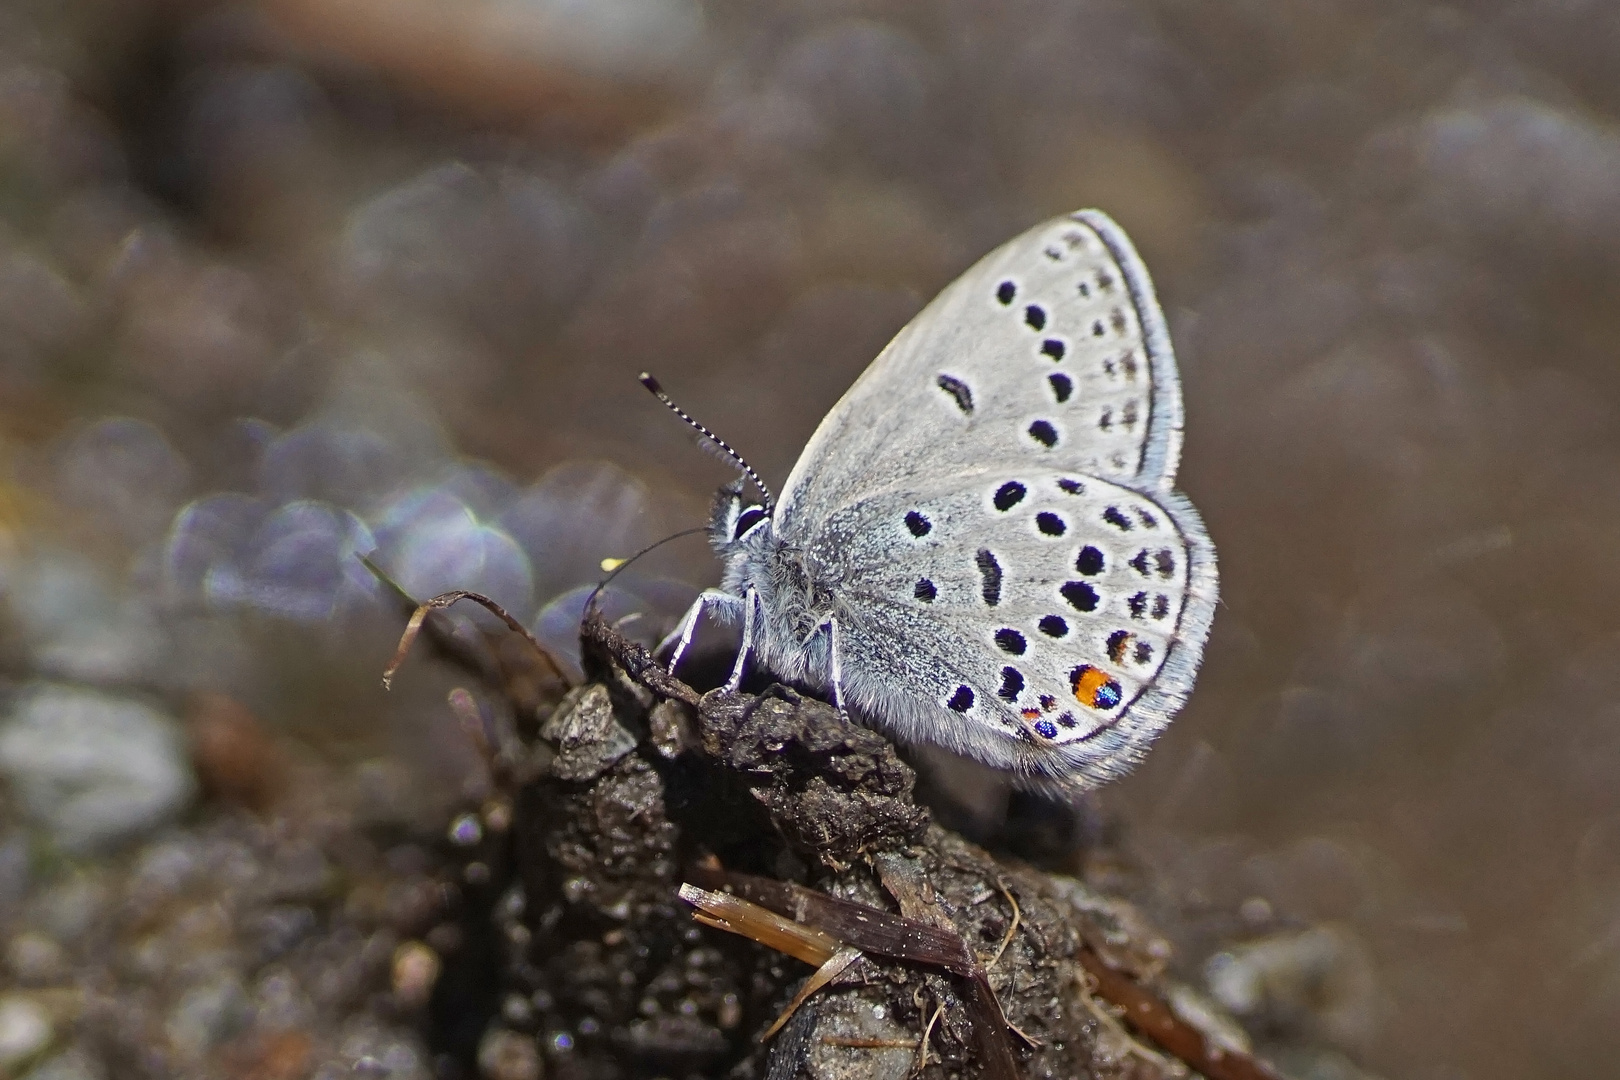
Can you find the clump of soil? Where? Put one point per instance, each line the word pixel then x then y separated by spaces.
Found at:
pixel 634 783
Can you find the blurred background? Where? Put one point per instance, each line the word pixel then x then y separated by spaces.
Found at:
pixel 286 280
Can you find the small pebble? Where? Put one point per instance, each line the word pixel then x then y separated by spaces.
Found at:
pixel 206 1015
pixel 416 969
pixel 72 1064
pixel 25 1030
pixel 35 959
pixel 466 830
pixel 507 1055
pixel 94 769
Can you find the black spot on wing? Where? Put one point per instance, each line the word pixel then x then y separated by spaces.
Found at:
pixel 1044 433
pixel 1054 626
pixel 1081 596
pixel 1035 317
pixel 1009 640
pixel 1012 684
pixel 1118 641
pixel 1053 348
pixel 919 525
pixel 1090 561
pixel 1009 495
pixel 990 573
pixel 962 700
pixel 924 590
pixel 1006 291
pixel 1050 524
pixel 1062 386
pixel 958 390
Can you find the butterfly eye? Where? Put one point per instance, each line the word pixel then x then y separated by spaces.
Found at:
pixel 747 520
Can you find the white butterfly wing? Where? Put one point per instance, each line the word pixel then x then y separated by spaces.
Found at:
pixel 1048 622
pixel 1044 371
pixel 1050 348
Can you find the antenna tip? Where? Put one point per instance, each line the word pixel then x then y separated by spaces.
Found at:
pixel 650 383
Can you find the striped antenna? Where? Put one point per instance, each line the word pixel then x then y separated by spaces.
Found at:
pixel 720 444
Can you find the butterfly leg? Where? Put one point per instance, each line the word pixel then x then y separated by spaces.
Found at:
pixel 750 605
pixel 726 608
pixel 837 669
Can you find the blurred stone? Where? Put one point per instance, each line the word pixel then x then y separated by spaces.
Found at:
pixel 35 959
pixel 77 626
pixel 72 1064
pixel 576 515
pixel 25 1029
pixel 331 461
pixel 499 253
pixel 459 552
pixel 644 609
pixel 300 565
pixel 53 141
pixel 1320 981
pixel 206 1015
pixel 509 1055
pixel 125 473
pixel 39 310
pixel 867 82
pixel 1523 170
pixel 15 871
pixel 278 1055
pixel 73 908
pixel 205 334
pixel 92 768
pixel 373 1051
pixel 536 63
pixel 416 968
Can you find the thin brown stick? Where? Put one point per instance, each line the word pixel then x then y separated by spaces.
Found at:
pixel 738 916
pixel 1154 1019
pixel 928 1029
pixel 444 600
pixel 854 1043
pixel 826 973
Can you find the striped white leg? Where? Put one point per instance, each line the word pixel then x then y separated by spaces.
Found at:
pixel 750 610
pixel 727 607
pixel 837 669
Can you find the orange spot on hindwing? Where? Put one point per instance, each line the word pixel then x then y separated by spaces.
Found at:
pixel 1093 688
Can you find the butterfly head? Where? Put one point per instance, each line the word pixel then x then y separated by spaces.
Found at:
pixel 737 522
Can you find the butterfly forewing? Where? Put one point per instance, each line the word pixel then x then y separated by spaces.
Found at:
pixel 1050 350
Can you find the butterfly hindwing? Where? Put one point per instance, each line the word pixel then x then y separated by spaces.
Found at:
pixel 1045 616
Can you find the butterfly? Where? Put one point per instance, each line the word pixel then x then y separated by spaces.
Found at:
pixel 981 547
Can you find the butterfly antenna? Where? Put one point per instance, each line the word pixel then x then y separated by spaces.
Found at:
pixel 590 601
pixel 736 459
